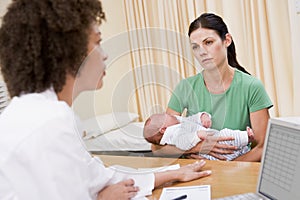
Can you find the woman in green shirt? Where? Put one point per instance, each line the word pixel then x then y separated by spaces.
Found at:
pixel 224 88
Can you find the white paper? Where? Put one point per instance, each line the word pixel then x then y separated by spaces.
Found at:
pixel 193 192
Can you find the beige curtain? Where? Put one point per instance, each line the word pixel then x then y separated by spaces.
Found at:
pixel 161 54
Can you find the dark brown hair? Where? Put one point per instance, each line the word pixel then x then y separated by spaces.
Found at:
pixel 214 22
pixel 43 40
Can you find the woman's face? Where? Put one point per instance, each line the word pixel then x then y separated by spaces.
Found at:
pixel 92 70
pixel 208 48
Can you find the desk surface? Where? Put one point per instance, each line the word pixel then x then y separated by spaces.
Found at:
pixel 227 178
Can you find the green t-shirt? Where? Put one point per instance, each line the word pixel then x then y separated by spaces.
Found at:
pixel 231 109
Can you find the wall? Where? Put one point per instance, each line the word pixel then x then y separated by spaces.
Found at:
pixel 115 43
pixel 295 32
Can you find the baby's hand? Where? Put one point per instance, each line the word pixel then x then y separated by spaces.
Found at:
pixel 250 134
pixel 205 120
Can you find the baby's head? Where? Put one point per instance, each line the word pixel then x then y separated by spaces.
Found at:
pixel 156 125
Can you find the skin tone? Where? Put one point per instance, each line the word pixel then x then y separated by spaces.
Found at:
pixel 85 80
pixel 165 121
pixel 211 53
pixel 205 120
pixel 170 120
pixel 155 139
pixel 90 77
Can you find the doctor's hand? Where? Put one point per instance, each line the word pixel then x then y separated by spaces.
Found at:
pixel 192 171
pixel 185 173
pixel 123 190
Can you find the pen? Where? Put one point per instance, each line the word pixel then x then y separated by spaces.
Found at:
pixel 180 197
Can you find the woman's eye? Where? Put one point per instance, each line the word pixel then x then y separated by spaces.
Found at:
pixel 208 42
pixel 195 47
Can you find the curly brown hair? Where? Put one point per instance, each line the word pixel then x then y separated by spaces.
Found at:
pixel 43 40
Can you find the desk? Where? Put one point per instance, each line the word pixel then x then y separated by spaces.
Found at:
pixel 227 178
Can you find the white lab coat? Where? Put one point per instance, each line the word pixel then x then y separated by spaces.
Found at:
pixel 42 154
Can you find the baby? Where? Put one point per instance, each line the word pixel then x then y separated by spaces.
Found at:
pixel 185 132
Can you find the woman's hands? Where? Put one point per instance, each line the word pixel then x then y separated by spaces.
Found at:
pixel 210 145
pixel 123 190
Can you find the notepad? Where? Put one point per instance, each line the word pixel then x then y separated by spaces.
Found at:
pixel 192 192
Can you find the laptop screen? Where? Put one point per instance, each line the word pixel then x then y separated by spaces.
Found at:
pixel 280 172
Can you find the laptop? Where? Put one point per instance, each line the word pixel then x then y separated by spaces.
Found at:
pixel 279 176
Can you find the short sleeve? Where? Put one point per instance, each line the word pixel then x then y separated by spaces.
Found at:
pixel 259 98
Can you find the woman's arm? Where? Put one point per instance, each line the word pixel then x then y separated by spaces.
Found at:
pixel 259 123
pixel 166 150
pixel 211 146
pixel 205 146
pixel 172 112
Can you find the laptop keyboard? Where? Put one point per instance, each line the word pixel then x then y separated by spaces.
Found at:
pixel 246 196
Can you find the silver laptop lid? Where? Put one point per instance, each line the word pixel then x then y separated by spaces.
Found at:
pixel 279 176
